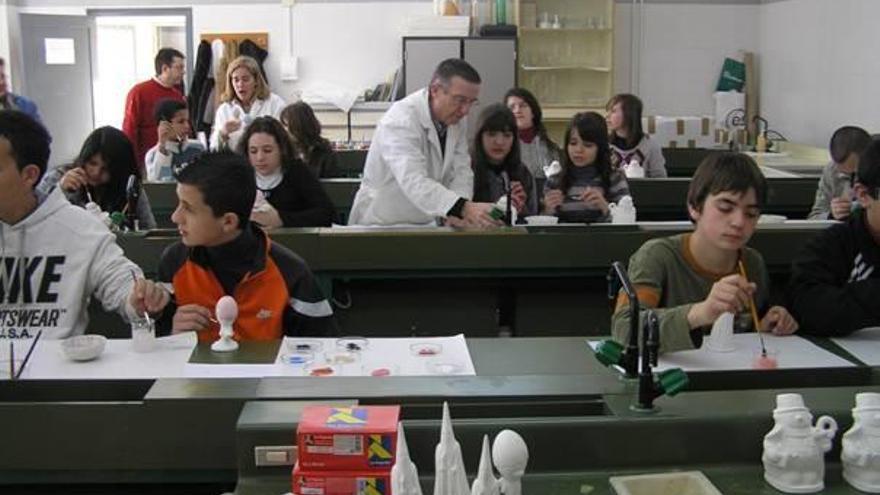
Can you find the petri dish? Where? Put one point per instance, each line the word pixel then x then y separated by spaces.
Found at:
pixel 352 344
pixel 304 345
pixel 297 357
pixel 445 368
pixel 341 357
pixel 425 349
pixel 321 370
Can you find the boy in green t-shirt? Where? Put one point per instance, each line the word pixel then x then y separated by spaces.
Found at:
pixel 692 279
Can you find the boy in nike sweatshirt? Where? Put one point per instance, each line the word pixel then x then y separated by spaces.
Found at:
pixel 54 257
pixel 835 282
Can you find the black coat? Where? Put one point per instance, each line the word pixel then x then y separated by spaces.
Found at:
pixel 197 88
pixel 249 48
pixel 835 280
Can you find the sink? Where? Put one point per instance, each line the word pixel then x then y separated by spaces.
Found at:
pixel 677 483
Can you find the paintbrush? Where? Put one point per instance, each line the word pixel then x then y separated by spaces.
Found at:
pixel 754 310
pixel 146 313
pixel 28 355
pixel 11 360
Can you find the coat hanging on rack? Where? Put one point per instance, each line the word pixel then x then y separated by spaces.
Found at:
pixel 201 84
pixel 251 49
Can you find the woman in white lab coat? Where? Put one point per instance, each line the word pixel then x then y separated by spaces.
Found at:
pixel 246 97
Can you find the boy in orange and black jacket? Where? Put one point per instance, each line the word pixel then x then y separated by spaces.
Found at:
pixel 222 253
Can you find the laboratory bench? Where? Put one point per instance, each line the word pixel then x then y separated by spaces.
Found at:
pixel 788 194
pixel 394 282
pixel 573 413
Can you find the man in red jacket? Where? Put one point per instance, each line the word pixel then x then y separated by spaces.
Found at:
pixel 139 123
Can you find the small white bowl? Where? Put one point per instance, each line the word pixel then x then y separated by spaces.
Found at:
pixel 542 220
pixel 83 347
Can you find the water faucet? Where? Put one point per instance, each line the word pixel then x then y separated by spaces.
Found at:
pixel 611 352
pixel 636 361
pixel 669 382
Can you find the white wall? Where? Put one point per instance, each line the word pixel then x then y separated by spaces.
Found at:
pixel 354 45
pixel 819 66
pixel 683 47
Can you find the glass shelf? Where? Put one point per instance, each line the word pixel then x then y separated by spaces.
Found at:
pixel 591 68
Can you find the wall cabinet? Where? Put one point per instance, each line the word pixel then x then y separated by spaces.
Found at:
pixel 566 55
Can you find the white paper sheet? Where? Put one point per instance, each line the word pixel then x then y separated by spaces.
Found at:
pixel 790 352
pixel 383 357
pixel 864 345
pixel 380 357
pixel 118 361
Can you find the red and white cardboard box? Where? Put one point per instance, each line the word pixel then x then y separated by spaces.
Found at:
pixel 347 438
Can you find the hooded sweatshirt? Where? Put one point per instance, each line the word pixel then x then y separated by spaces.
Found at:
pixel 62 256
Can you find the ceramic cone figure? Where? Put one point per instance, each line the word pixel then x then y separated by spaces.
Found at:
pixel 721 338
pixel 860 455
pixel 450 476
pixel 485 482
pixel 794 450
pixel 227 312
pixel 511 456
pixel 404 475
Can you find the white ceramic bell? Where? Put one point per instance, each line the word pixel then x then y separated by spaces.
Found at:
pixel 860 455
pixel 226 311
pixel 721 338
pixel 552 170
pixel 794 450
pixel 511 455
pixel 624 211
pixel 634 170
pixel 450 478
pixel 404 475
pixel 485 483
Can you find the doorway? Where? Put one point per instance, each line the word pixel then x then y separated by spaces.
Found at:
pixel 79 69
pixel 126 42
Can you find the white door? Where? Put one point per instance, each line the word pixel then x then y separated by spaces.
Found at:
pixel 58 77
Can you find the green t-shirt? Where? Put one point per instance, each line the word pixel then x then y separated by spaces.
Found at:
pixel 668 279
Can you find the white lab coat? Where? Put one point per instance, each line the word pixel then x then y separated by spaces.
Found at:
pixel 406 179
pixel 271 106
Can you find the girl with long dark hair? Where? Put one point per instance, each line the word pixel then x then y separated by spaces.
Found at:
pixel 537 150
pixel 100 174
pixel 496 162
pixel 628 141
pixel 588 182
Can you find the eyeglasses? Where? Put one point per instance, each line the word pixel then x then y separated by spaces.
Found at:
pixel 461 100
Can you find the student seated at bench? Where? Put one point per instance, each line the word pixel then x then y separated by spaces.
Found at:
pixel 101 174
pixel 835 283
pixel 692 279
pixel 288 195
pixel 588 182
pixel 834 196
pixel 175 149
pixel 221 252
pixel 54 256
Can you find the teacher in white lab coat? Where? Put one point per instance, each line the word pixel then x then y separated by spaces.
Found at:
pixel 418 169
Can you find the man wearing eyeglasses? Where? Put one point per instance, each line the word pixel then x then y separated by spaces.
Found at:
pixel 835 281
pixel 418 169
